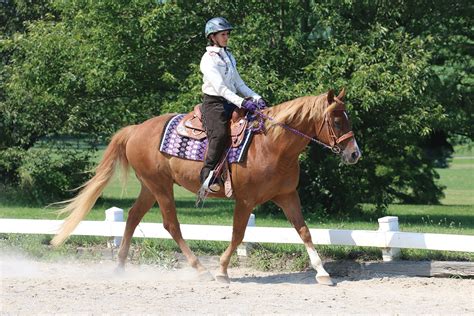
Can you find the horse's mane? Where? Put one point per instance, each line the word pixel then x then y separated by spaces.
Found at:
pixel 295 112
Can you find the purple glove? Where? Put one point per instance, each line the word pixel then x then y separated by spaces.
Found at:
pixel 261 103
pixel 250 105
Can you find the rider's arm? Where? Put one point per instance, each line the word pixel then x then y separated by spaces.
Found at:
pixel 213 77
pixel 240 85
pixel 243 89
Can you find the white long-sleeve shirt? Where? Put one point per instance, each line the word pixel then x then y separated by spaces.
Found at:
pixel 221 77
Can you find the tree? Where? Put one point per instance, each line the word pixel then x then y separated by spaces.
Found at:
pixel 86 69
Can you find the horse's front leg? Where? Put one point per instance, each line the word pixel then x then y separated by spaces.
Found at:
pixel 241 217
pixel 290 203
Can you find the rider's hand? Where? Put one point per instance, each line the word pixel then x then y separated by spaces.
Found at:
pixel 262 103
pixel 249 105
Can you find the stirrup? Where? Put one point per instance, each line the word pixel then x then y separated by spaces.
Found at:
pixel 209 186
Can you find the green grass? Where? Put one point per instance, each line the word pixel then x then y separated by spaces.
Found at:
pixel 459 182
pixel 455 215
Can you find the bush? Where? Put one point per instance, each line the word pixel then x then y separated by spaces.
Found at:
pixel 326 186
pixel 10 160
pixel 49 174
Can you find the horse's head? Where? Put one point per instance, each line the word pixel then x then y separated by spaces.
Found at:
pixel 335 129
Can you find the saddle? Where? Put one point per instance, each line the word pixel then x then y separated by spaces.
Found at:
pixel 192 125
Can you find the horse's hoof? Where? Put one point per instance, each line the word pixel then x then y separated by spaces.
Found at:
pixel 325 280
pixel 222 278
pixel 119 270
pixel 205 276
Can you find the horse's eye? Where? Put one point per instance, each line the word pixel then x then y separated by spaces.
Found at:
pixel 337 123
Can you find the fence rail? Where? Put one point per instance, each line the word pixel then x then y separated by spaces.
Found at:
pixel 387 237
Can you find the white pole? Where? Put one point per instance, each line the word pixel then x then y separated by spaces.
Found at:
pixel 114 214
pixel 244 248
pixel 389 224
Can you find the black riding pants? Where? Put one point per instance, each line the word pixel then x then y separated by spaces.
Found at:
pixel 216 113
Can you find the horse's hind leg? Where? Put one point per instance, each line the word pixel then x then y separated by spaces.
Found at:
pixel 290 203
pixel 164 195
pixel 241 217
pixel 142 205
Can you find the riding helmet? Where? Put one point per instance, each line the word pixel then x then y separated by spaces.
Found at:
pixel 215 25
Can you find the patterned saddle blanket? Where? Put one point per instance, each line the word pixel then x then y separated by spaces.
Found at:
pixel 193 147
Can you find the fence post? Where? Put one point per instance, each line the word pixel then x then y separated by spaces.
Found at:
pixel 244 248
pixel 114 214
pixel 389 224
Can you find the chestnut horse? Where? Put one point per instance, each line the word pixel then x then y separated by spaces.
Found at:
pixel 270 172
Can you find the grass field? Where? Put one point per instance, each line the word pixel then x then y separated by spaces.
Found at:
pixel 454 215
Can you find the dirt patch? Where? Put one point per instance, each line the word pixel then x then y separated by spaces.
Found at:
pixel 29 286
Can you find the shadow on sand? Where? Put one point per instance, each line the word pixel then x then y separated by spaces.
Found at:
pixel 347 270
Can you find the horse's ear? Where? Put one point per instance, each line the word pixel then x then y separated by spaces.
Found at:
pixel 342 94
pixel 331 96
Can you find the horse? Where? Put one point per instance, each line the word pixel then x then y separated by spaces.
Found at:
pixel 270 172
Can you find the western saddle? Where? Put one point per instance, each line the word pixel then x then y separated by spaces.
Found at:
pixel 192 125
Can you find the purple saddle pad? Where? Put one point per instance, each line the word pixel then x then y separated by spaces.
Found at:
pixel 193 149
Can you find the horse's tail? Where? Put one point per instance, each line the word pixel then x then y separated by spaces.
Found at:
pixel 81 205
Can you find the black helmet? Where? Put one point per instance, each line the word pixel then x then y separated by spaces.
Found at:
pixel 215 25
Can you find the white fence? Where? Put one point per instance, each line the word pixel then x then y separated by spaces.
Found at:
pixel 388 238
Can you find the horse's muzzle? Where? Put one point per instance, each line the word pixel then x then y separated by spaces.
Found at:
pixel 351 154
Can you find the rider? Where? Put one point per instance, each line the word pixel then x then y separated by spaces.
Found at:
pixel 223 90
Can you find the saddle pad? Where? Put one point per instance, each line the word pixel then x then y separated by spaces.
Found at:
pixel 193 149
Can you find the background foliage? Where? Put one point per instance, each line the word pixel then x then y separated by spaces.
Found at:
pixel 82 70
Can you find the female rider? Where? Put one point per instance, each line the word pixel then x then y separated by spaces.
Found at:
pixel 223 90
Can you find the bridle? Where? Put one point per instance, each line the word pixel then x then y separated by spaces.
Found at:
pixel 334 140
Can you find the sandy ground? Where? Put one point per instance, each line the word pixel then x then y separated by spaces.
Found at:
pixel 31 288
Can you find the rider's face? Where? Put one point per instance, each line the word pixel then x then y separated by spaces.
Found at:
pixel 221 38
